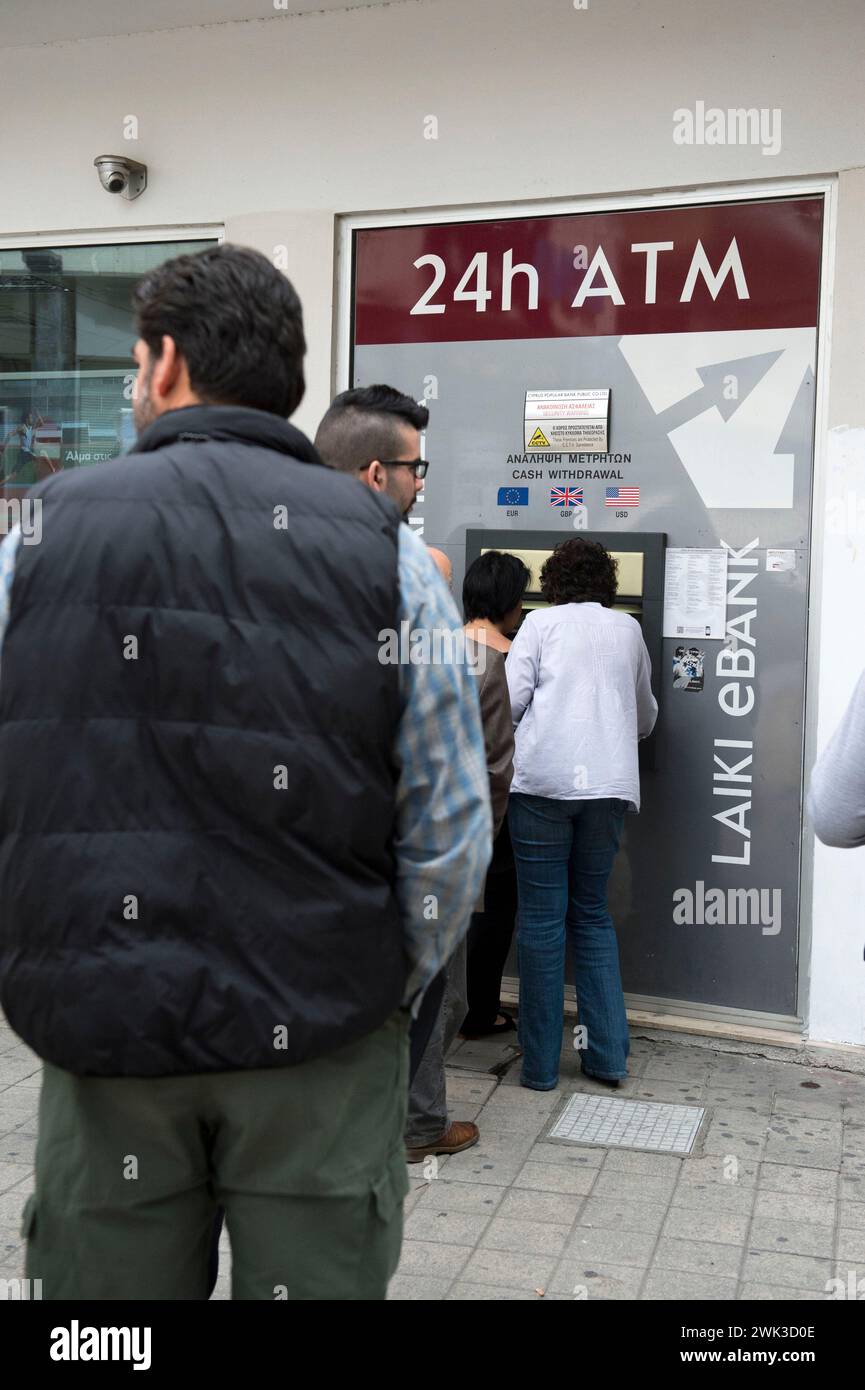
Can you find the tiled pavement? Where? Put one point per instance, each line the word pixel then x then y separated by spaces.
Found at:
pixel 771 1205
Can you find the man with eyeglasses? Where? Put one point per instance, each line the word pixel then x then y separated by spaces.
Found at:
pixel 374 432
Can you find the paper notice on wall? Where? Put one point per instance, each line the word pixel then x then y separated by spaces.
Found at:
pixel 567 421
pixel 695 593
pixel 779 560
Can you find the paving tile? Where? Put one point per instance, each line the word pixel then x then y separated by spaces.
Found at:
pixel 556 1177
pixel 600 1280
pixel 847 1282
pixel 777 1293
pixel 744 1118
pixel 795 1271
pixel 791 1237
pixel 410 1201
pixel 496 1159
pixel 18 1148
pixel 794 1149
pixel 522 1098
pixel 529 1237
pixel 686 1286
pixel 804 1142
pixel 851 1246
pixel 20 1052
pixel 851 1188
pixel 509 1269
pixel 14 1068
pixel 404 1287
pixel 739 1095
pixel 480 1055
pixel 634 1185
pixel 728 1067
pixel 806 1107
pixel 851 1215
pixel 11 1206
pixel 678 1069
pixel 808 1130
pixel 725 1227
pixel 698 1256
pixel 795 1206
pixel 11 1174
pixel 513 1119
pixel 447 1227
pixel 714 1198
pixel 490 1292
pixel 652 1164
pixel 803 1181
pixel 713 1169
pixel 742 1142
pixel 667 1092
pixel 616 1246
pixel 522 1204
pixel 622 1213
pixel 33 1081
pixel 444 1195
pixel 11 1244
pixel 432 1259
pixel 474 1089
pixel 583 1156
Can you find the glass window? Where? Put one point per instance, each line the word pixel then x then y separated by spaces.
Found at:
pixel 66 369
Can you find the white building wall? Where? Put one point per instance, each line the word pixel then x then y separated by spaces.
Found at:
pixel 273 126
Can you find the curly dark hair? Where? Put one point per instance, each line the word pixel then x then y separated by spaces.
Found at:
pixel 580 571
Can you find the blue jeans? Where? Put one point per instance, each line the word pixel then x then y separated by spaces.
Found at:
pixel 564 853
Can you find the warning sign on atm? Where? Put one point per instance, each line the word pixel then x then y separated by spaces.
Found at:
pixel 567 421
pixel 538 440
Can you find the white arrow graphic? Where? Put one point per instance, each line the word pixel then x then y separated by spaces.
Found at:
pixel 731 463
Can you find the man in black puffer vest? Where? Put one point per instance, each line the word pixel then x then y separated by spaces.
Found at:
pixel 216 844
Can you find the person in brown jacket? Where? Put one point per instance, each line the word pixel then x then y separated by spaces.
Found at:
pixel 493 592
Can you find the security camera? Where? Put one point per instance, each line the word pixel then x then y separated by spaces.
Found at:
pixel 117 174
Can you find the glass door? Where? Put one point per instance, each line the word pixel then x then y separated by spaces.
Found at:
pixel 66 371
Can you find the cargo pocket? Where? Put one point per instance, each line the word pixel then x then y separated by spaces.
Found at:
pixel 391 1189
pixel 28 1217
pixel 383 1231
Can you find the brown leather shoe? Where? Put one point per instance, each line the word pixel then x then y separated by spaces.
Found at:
pixel 459 1135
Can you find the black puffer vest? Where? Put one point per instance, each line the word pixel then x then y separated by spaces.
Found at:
pixel 197 784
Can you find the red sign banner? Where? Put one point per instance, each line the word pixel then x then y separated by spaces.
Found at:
pixel 728 266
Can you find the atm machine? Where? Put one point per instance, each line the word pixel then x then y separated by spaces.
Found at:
pixel 697 323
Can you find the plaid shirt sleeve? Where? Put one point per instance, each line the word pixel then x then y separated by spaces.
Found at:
pixel 443 838
pixel 8 554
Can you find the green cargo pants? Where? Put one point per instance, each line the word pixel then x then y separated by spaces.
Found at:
pixel 308 1162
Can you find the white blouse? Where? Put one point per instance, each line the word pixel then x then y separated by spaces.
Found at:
pixel 578 675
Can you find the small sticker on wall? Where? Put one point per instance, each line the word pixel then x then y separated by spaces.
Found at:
pixel 688 665
pixel 780 560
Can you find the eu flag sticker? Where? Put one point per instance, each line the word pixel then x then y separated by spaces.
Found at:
pixel 513 497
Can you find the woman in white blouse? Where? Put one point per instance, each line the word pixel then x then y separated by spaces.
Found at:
pixel 580 683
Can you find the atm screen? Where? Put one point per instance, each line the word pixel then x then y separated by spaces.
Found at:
pixel 629 594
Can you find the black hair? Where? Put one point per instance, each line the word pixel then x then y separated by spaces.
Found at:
pixel 579 571
pixel 494 586
pixel 237 321
pixel 366 424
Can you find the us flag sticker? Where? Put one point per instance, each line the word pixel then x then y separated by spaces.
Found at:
pixel 622 497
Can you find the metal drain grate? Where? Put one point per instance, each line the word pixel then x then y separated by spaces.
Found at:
pixel 628 1124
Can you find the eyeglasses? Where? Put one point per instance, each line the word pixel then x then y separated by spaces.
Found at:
pixel 418 466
